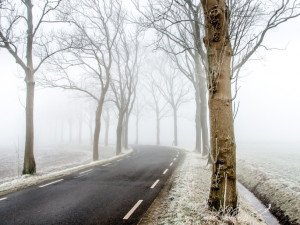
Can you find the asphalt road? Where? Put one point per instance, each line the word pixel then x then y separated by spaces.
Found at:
pixel 117 193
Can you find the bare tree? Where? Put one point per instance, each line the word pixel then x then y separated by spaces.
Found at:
pixel 174 90
pixel 138 112
pixel 20 33
pixel 97 25
pixel 157 103
pixel 123 86
pixel 179 32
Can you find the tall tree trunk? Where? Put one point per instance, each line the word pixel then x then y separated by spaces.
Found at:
pixel 157 128
pixel 107 128
pixel 137 130
pixel 126 130
pixel 97 131
pixel 29 162
pixel 29 166
pixel 223 183
pixel 198 123
pixel 119 135
pixel 204 117
pixel 175 126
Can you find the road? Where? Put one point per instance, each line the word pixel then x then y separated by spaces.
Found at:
pixel 116 193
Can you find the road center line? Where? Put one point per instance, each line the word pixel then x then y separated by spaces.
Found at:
pixel 166 170
pixel 107 164
pixel 1 199
pixel 51 183
pixel 86 171
pixel 174 159
pixel 155 183
pixel 171 163
pixel 132 210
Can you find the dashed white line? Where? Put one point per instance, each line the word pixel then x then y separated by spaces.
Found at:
pixel 132 210
pixel 51 183
pixel 155 183
pixel 1 199
pixel 171 163
pixel 166 170
pixel 174 159
pixel 107 164
pixel 86 171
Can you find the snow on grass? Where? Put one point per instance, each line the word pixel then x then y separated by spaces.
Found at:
pixel 283 196
pixel 30 180
pixel 186 201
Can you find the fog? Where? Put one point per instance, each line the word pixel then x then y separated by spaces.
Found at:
pixel 268 112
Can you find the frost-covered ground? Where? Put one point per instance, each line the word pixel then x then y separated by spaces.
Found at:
pixel 21 182
pixel 185 202
pixel 272 173
pixel 48 159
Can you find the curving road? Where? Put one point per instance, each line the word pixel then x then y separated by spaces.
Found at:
pixel 116 193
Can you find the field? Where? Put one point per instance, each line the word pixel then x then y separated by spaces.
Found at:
pixel 272 173
pixel 48 159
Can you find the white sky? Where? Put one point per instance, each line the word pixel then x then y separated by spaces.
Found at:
pixel 269 100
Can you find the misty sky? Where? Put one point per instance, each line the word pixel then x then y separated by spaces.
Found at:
pixel 269 101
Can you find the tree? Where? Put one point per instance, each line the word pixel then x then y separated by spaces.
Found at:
pixel 18 16
pixel 124 83
pixel 178 26
pixel 173 89
pixel 158 103
pixel 97 25
pixel 138 112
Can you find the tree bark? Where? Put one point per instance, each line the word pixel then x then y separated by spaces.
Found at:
pixel 29 166
pixel 29 162
pixel 126 130
pixel 119 135
pixel 175 126
pixel 97 131
pixel 222 195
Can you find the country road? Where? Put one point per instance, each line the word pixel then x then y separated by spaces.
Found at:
pixel 115 193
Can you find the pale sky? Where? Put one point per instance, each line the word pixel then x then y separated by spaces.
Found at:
pixel 269 99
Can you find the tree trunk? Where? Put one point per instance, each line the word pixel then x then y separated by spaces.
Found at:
pixel 157 128
pixel 97 131
pixel 119 135
pixel 29 162
pixel 222 195
pixel 175 126
pixel 204 117
pixel 107 128
pixel 198 123
pixel 126 130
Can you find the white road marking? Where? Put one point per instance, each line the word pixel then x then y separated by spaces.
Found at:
pixel 132 210
pixel 155 183
pixel 81 175
pixel 86 171
pixel 174 159
pixel 171 163
pixel 107 164
pixel 51 183
pixel 1 199
pixel 166 170
pixel 119 160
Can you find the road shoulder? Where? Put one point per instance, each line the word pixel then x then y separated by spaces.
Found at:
pixel 183 198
